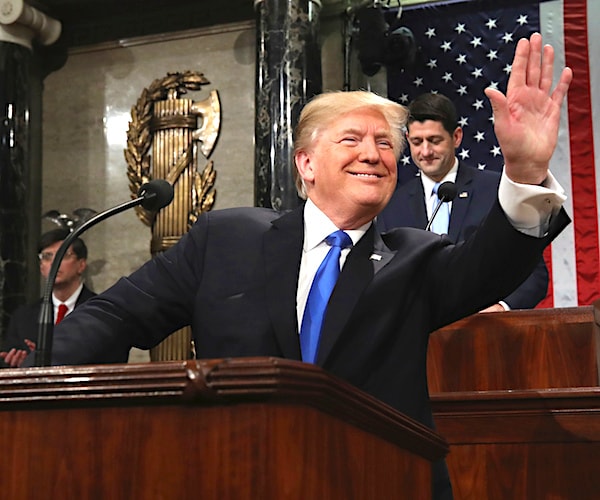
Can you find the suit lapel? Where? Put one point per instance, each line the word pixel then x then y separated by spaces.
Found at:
pixel 460 205
pixel 283 251
pixel 368 257
pixel 416 203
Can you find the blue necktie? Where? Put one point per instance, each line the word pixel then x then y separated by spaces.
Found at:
pixel 440 223
pixel 319 294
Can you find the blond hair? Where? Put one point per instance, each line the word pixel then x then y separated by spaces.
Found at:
pixel 324 108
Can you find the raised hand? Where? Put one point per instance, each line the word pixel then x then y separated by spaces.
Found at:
pixel 526 119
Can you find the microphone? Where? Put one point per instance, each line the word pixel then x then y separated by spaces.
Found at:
pixel 446 192
pixel 153 195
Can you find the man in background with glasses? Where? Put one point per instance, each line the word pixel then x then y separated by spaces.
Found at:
pixel 68 292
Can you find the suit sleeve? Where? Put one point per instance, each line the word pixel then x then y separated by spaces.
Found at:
pixel 532 291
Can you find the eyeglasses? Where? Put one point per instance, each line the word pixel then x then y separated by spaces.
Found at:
pixel 49 256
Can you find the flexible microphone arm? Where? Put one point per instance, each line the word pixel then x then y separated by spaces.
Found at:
pixel 153 195
pixel 446 193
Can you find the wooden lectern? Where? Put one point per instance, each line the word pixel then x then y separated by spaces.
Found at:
pixel 243 428
pixel 516 395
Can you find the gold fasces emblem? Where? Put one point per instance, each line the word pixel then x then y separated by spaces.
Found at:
pixel 166 135
pixel 173 132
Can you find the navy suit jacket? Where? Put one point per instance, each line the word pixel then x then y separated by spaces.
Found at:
pixel 24 322
pixel 233 277
pixel 476 194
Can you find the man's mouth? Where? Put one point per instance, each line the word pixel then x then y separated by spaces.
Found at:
pixel 360 174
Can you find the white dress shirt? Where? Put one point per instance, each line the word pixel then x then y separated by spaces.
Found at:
pixel 70 302
pixel 317 227
pixel 428 184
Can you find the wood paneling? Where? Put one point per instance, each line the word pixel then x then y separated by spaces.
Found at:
pixel 516 396
pixel 255 428
pixel 526 349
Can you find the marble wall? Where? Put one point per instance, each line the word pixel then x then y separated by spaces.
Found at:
pixel 86 113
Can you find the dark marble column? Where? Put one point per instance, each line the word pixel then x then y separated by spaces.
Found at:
pixel 19 196
pixel 22 70
pixel 288 66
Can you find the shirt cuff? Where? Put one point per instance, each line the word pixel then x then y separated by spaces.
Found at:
pixel 530 207
pixel 504 304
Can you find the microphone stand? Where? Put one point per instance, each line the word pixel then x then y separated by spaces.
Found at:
pixel 43 348
pixel 444 199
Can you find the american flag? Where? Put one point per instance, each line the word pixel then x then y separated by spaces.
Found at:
pixel 463 47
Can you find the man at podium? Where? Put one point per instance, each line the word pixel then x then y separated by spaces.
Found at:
pixel 253 282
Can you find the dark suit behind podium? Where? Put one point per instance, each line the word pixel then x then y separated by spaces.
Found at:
pixel 24 323
pixel 476 193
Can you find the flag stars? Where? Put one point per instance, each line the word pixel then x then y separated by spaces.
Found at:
pixel 476 42
pixel 522 20
pixel 492 54
pixel 464 52
pixel 478 104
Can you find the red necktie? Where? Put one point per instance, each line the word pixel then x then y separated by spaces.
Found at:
pixel 62 310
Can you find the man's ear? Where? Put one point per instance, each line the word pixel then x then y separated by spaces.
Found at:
pixel 457 136
pixel 81 266
pixel 304 166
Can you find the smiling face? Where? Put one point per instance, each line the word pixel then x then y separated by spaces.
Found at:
pixel 432 147
pixel 350 169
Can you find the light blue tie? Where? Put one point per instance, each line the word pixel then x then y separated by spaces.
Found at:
pixel 319 294
pixel 440 223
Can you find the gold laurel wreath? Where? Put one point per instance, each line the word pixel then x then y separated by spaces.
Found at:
pixel 139 141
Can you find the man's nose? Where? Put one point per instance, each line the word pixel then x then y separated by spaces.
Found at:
pixel 426 148
pixel 369 151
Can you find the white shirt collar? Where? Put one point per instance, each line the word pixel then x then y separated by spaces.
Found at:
pixel 317 226
pixel 70 302
pixel 428 182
